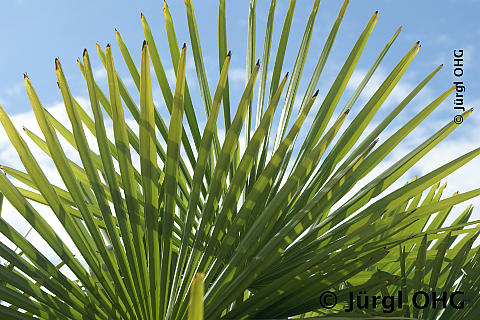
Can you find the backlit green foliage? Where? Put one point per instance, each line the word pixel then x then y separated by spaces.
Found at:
pixel 258 233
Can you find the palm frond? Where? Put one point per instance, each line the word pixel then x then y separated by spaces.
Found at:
pixel 202 228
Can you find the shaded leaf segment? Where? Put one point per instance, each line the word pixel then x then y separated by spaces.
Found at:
pixel 164 219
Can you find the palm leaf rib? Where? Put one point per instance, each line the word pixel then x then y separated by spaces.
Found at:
pixel 246 226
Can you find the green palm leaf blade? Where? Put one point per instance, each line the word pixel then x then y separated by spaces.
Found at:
pixel 78 170
pixel 68 178
pixel 250 59
pixel 461 219
pixel 170 181
pixel 185 179
pixel 331 99
pixel 282 46
pixel 222 52
pixel 189 111
pixel 388 145
pixel 360 122
pixel 150 182
pixel 419 213
pixel 133 139
pixel 331 279
pixel 50 196
pixel 219 178
pixel 374 134
pixel 191 119
pixel 31 214
pixel 42 268
pixel 52 304
pixel 354 97
pixel 225 216
pixel 200 67
pixel 296 74
pixel 138 278
pixel 197 229
pixel 437 266
pixel 196 298
pixel 267 44
pixel 454 269
pixel 198 57
pixel 311 85
pixel 277 245
pixel 333 96
pixel 99 193
pixel 135 250
pixel 470 286
pixel 314 80
pixel 238 180
pixel 264 182
pixel 420 269
pixel 381 182
pixel 299 175
pixel 300 220
pixel 269 214
pixel 199 171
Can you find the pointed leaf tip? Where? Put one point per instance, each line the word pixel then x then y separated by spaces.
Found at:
pixel 229 54
pixel 108 45
pixel 258 62
pixel 144 44
pixel 347 111
pixel 85 52
pixel 184 45
pixel 25 76
pixel 286 75
pixel 316 93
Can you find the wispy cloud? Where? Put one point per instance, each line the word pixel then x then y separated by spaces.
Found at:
pixel 100 73
pixel 236 75
pixel 15 90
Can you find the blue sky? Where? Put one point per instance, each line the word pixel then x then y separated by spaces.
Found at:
pixel 32 34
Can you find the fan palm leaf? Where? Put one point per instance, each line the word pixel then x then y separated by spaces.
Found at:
pixel 202 227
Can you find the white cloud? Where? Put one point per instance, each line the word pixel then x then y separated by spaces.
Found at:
pixel 236 75
pixel 15 90
pixel 443 39
pixel 99 73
